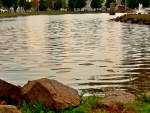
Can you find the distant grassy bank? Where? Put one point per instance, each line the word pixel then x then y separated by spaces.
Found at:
pixel 15 14
pixel 139 16
pixel 141 19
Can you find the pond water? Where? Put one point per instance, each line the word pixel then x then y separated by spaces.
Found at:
pixel 87 52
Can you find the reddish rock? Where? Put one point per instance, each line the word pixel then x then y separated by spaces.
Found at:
pixel 10 91
pixel 50 93
pixel 117 96
pixel 8 109
pixel 2 102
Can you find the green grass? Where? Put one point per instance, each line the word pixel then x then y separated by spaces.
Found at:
pixel 86 105
pixel 15 14
pixel 140 16
pixel 139 107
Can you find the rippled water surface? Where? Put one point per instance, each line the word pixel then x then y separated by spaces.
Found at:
pixel 85 51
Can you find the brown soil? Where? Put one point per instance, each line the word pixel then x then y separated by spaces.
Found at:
pixel 113 109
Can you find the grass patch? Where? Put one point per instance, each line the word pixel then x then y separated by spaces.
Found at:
pixel 139 16
pixel 139 107
pixel 86 106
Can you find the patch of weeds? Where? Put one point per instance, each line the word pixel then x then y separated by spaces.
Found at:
pixel 141 107
pixel 36 108
pixel 130 107
pixel 86 106
pixel 137 107
pixel 92 102
pixel 143 98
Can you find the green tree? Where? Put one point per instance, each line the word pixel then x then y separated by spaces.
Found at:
pixel 63 3
pixel 107 3
pixel 1 4
pixel 96 3
pixel 122 2
pixel 71 4
pixel 42 5
pixel 48 3
pixel 145 3
pixel 28 6
pixel 132 3
pixel 22 3
pixel 58 4
pixel 7 3
pixel 15 5
pixel 79 4
pixel 135 3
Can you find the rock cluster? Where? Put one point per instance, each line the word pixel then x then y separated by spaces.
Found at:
pixel 126 19
pixel 50 93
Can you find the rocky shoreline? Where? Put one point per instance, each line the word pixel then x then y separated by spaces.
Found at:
pixel 51 94
pixel 134 19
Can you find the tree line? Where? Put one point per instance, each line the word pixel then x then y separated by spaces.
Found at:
pixel 130 3
pixel 45 4
pixel 135 3
pixel 15 4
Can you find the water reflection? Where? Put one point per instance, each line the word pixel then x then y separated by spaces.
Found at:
pixel 87 52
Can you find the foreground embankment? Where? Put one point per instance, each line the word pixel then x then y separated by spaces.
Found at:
pixel 142 19
pixel 50 96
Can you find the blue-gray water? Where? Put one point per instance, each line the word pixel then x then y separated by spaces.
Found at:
pixel 85 51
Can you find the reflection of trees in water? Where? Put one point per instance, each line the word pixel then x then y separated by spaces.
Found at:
pixel 137 58
pixel 132 74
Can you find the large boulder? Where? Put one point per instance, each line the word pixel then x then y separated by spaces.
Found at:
pixel 10 91
pixel 50 93
pixel 117 96
pixel 8 109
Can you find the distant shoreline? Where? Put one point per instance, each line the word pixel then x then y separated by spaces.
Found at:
pixel 16 14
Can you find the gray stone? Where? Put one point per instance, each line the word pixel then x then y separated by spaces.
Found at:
pixel 117 96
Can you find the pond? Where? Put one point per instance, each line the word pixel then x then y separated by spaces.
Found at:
pixel 87 52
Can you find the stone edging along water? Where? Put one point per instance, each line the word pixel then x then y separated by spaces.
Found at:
pixel 134 19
